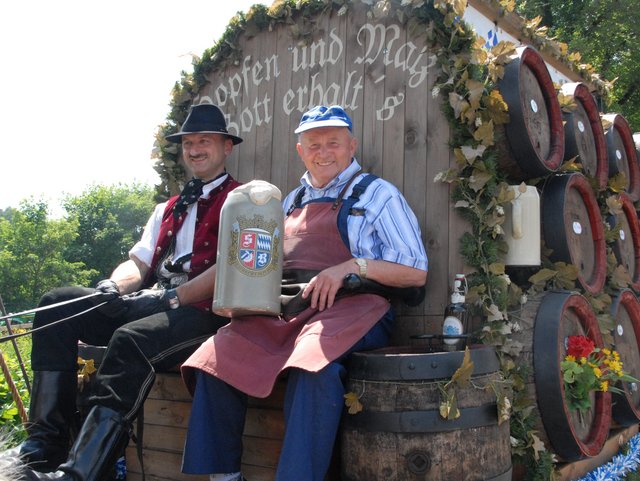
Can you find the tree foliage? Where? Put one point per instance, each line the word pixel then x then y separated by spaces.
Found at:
pixel 31 256
pixel 38 253
pixel 605 33
pixel 110 220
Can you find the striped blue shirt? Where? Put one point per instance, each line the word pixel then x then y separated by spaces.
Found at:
pixel 388 230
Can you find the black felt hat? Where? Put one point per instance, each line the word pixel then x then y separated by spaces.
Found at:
pixel 204 119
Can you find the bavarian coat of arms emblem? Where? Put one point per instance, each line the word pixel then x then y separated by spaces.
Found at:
pixel 254 245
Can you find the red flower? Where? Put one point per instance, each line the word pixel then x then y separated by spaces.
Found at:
pixel 579 346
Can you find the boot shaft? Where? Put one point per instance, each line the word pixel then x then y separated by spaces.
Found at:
pixel 102 438
pixel 52 415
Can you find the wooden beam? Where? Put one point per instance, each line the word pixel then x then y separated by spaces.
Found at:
pixel 617 439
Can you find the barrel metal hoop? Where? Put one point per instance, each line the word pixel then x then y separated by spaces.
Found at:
pixel 423 421
pixel 423 366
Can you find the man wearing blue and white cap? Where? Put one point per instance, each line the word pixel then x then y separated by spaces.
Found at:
pixel 339 223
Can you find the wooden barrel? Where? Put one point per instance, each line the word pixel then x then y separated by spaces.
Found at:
pixel 621 151
pixel 572 227
pixel 584 137
pixel 546 322
pixel 535 133
pixel 400 435
pixel 625 311
pixel 626 247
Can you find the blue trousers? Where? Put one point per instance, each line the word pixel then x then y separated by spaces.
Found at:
pixel 312 409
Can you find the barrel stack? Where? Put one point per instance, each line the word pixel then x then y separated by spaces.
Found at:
pixel 584 222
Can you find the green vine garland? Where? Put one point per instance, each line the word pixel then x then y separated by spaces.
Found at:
pixel 475 111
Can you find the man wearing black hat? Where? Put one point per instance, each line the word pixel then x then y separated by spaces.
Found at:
pixel 157 327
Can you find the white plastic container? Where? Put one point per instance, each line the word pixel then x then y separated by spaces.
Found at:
pixel 522 227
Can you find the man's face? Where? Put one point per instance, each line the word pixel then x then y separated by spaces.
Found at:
pixel 205 154
pixel 326 151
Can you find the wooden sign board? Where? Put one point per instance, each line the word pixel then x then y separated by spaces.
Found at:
pixel 384 77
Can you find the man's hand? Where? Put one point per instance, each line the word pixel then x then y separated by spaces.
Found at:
pixel 110 294
pixel 323 287
pixel 147 302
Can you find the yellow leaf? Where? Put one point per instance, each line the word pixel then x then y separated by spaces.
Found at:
pixel 620 277
pixel 508 5
pixel 479 43
pixel 618 183
pixel 462 376
pixel 458 104
pixel 352 401
pixel 449 409
pixel 472 153
pixel 567 271
pixel 476 89
pixel 505 194
pixel 614 205
pixel 571 165
pixel 494 313
pixel 475 293
pixel 537 445
pixel 449 176
pixel 574 57
pixel 503 52
pixel 567 102
pixel 445 409
pixel 606 124
pixel 461 160
pixel 504 409
pixel 533 23
pixel 496 268
pixel 479 56
pixel 87 366
pixel 484 133
pixel 479 179
pixel 459 6
pixel 496 71
pixel 542 276
pixel 497 108
pixel 564 48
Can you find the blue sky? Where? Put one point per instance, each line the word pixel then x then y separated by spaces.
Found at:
pixel 84 84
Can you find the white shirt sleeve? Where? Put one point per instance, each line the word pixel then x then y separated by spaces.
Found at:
pixel 144 248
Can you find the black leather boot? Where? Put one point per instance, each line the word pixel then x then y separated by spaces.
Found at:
pixel 102 438
pixel 51 414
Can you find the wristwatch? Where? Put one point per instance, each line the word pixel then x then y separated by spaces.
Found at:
pixel 362 265
pixel 174 302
